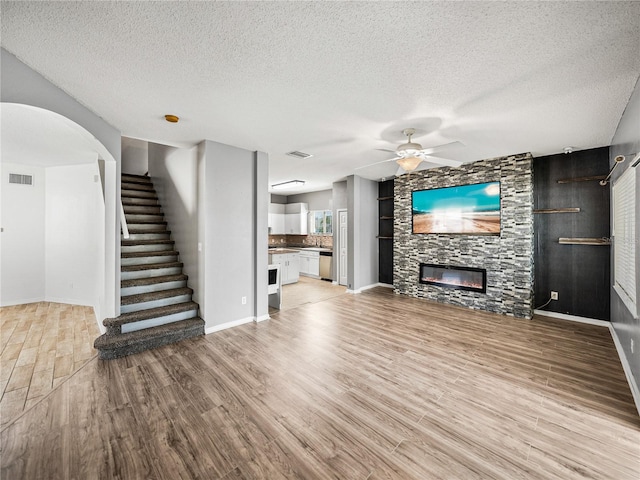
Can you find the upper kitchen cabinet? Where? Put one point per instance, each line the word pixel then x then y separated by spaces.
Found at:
pixel 276 219
pixel 295 221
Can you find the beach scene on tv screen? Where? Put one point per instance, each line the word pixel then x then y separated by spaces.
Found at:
pixel 466 209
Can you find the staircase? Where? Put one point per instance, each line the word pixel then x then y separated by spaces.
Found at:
pixel 155 306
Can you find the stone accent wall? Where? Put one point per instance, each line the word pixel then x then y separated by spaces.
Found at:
pixel 508 257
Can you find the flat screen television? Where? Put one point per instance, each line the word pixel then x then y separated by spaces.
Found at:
pixel 465 209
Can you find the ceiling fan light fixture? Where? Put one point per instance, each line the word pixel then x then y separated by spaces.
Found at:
pixel 409 164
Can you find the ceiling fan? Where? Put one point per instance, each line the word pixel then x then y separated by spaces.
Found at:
pixel 410 155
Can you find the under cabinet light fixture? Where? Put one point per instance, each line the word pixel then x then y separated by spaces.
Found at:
pixel 289 184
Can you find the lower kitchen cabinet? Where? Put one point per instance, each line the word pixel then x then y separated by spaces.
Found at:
pixel 289 266
pixel 310 264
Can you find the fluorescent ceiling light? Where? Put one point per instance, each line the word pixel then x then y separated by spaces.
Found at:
pixel 289 184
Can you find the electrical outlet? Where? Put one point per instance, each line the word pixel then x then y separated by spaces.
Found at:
pixel 554 295
pixel 244 300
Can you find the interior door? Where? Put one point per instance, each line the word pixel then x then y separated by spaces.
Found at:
pixel 342 247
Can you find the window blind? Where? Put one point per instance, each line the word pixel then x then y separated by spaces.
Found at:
pixel 624 235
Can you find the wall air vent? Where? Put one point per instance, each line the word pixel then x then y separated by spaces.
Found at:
pixel 20 179
pixel 298 154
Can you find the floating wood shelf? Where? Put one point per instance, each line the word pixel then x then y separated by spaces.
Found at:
pixel 557 210
pixel 584 241
pixel 391 198
pixel 386 218
pixel 582 179
pixel 385 238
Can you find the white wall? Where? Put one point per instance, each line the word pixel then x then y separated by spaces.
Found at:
pixel 74 235
pixel 626 141
pixel 232 212
pixel 135 156
pixel 20 84
pixel 362 205
pixel 174 172
pixel 22 252
pixel 53 240
pixel 322 200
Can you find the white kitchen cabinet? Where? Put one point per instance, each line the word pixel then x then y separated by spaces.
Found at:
pixel 276 219
pixel 296 219
pixel 289 266
pixel 310 263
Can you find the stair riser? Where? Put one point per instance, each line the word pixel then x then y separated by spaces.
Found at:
pixel 155 247
pixel 130 194
pixel 140 201
pixel 149 236
pixel 150 273
pixel 147 227
pixel 111 353
pixel 141 217
pixel 163 302
pixel 156 287
pixel 148 260
pixel 136 186
pixel 142 209
pixel 154 322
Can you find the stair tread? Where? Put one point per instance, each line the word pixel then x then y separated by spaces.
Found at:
pixel 150 266
pixel 129 178
pixel 128 202
pixel 147 222
pixel 138 230
pixel 155 214
pixel 134 194
pixel 136 282
pixel 125 174
pixel 151 296
pixel 123 340
pixel 133 243
pixel 159 253
pixel 149 313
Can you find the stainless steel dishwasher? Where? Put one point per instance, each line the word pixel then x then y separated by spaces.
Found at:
pixel 326 266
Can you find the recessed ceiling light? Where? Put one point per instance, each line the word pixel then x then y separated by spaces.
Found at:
pixel 171 118
pixel 289 184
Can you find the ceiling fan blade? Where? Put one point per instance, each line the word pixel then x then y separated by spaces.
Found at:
pixel 385 150
pixel 377 163
pixel 447 162
pixel 436 148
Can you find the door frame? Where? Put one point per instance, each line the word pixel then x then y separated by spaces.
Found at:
pixel 339 273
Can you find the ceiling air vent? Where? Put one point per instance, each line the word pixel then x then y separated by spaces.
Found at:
pixel 20 179
pixel 298 154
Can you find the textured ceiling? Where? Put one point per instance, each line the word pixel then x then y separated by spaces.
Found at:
pixel 341 79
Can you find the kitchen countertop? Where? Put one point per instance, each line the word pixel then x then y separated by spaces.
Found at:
pixel 277 251
pixel 297 249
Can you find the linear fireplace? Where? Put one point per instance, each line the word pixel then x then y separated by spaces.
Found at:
pixel 460 278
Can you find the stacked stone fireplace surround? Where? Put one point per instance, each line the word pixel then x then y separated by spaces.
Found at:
pixel 508 257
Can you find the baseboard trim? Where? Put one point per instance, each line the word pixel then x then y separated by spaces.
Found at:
pixel 368 287
pixel 635 391
pixel 262 318
pixel 22 301
pixel 224 326
pixel 573 318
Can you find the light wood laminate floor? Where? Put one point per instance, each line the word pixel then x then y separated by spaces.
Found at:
pixel 368 386
pixel 307 290
pixel 42 344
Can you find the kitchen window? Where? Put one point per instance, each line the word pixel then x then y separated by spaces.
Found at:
pixel 321 222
